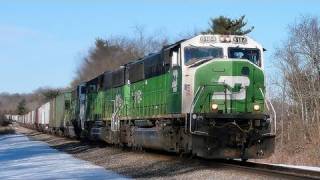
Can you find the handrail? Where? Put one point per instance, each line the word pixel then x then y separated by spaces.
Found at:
pixel 194 102
pixel 195 99
pixel 114 114
pixel 272 108
pixel 275 116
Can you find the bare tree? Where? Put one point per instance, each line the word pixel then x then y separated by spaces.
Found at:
pixel 113 52
pixel 10 102
pixel 299 61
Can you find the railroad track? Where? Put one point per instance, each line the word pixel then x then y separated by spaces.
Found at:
pixel 275 169
pixel 289 172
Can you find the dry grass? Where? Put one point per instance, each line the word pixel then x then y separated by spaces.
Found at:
pixel 297 146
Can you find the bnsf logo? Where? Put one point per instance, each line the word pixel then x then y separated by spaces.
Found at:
pixel 232 81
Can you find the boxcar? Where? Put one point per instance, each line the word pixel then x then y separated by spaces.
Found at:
pixel 59 111
pixel 44 116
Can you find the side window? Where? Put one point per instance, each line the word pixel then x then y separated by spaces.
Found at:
pixel 136 71
pixel 174 58
pixel 92 88
pixel 83 90
pixel 100 82
pixel 107 80
pixel 67 104
pixel 118 77
pixel 153 66
pixel 170 58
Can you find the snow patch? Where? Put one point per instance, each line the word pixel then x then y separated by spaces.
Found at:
pixel 22 158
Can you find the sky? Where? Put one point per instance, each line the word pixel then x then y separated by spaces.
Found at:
pixel 43 42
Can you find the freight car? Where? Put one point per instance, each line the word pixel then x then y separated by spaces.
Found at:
pixel 59 113
pixel 203 96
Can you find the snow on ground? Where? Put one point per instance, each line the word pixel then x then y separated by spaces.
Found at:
pixel 22 158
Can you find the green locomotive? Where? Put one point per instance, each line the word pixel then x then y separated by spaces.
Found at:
pixel 203 95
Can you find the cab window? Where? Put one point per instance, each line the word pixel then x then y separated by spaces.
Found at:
pixel 250 54
pixel 193 54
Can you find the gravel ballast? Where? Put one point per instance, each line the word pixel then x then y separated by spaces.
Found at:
pixel 143 164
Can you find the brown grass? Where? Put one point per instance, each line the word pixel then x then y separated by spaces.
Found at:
pixel 296 148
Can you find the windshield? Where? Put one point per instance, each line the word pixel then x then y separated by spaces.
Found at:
pixel 194 54
pixel 252 55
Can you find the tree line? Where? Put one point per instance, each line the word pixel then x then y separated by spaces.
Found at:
pixel 298 94
pixel 108 54
pixel 22 103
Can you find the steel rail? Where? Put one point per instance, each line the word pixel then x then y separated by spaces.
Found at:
pixel 273 168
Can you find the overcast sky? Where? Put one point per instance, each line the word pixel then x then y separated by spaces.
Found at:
pixel 42 42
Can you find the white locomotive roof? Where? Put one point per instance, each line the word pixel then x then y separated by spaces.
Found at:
pixel 222 41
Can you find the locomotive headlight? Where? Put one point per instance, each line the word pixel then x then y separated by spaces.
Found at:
pixel 256 107
pixel 222 39
pixel 214 107
pixel 225 39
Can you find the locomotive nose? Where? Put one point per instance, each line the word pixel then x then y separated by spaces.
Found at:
pixel 232 85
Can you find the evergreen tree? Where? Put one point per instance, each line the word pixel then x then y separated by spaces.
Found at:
pixel 21 108
pixel 227 26
pixel 50 93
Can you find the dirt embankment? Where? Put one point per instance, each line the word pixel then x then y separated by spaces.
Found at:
pixel 133 164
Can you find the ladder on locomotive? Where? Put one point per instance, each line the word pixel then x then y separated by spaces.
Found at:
pixel 271 110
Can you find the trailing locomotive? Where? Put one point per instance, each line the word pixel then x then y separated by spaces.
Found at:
pixel 204 96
